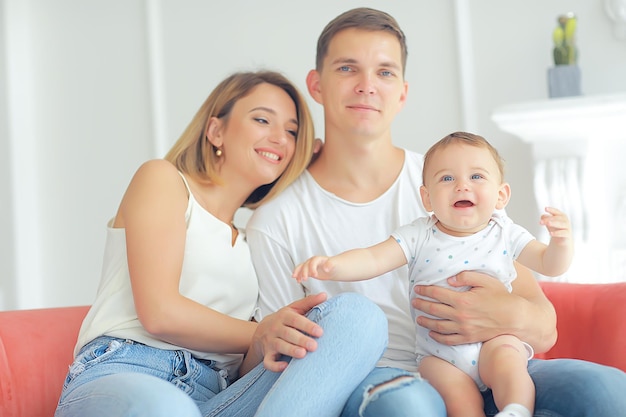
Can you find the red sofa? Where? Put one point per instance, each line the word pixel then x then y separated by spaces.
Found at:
pixel 36 345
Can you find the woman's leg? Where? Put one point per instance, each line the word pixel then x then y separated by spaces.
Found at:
pixel 127 394
pixel 393 392
pixel 242 398
pixel 355 336
pixel 116 378
pixel 574 388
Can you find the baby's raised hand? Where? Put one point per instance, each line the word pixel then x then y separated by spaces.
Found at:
pixel 557 223
pixel 314 267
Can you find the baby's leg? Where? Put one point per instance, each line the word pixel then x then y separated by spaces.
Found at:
pixel 459 391
pixel 503 367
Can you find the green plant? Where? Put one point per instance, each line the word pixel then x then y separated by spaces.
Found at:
pixel 565 52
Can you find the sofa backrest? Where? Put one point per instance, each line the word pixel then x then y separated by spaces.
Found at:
pixel 36 346
pixel 36 349
pixel 591 322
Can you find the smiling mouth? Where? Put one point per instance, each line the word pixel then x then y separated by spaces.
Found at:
pixel 269 155
pixel 463 204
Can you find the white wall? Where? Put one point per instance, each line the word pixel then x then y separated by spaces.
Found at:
pixel 78 104
pixel 88 90
pixel 7 274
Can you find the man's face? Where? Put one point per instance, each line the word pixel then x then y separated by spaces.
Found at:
pixel 361 85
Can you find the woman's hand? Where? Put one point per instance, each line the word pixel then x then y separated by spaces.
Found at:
pixel 286 332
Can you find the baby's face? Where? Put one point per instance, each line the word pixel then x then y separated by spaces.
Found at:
pixel 463 187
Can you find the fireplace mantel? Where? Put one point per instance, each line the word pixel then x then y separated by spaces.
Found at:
pixel 579 152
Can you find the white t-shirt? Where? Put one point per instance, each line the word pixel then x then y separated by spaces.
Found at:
pixel 306 220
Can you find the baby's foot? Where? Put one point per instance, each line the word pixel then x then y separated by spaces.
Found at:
pixel 514 410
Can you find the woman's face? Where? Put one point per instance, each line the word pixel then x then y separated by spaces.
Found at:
pixel 258 139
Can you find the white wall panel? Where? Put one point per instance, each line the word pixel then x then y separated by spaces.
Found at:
pixel 7 253
pixel 80 124
pixel 95 88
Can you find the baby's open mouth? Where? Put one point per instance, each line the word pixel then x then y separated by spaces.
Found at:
pixel 463 203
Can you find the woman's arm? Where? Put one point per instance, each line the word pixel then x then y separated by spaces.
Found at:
pixel 488 310
pixel 153 215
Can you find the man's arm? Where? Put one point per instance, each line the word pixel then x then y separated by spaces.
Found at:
pixel 274 266
pixel 488 310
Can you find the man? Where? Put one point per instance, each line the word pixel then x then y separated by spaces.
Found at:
pixel 361 188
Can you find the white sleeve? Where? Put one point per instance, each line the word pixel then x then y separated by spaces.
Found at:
pixel 274 267
pixel 517 236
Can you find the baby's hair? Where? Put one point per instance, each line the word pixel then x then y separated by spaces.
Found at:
pixel 466 139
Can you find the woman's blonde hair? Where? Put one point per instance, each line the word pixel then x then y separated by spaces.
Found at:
pixel 193 154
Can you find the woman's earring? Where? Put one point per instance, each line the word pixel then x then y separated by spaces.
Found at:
pixel 218 152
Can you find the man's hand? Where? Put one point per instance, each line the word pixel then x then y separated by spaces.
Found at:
pixel 476 315
pixel 287 332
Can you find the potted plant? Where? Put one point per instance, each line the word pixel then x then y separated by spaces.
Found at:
pixel 564 77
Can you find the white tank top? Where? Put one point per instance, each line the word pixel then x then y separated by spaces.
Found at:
pixel 215 273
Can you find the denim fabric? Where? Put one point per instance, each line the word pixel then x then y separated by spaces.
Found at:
pixel 564 387
pixel 573 388
pixel 393 392
pixel 355 336
pixel 112 377
pixel 115 377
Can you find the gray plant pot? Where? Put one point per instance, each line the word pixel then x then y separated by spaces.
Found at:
pixel 564 81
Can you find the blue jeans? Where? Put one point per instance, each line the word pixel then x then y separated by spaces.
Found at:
pixel 564 388
pixel 113 377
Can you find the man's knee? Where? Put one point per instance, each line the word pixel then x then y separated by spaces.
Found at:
pixel 401 395
pixel 393 385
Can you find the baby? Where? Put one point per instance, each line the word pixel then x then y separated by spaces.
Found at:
pixel 464 188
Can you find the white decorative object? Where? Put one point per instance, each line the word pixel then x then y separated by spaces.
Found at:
pixel 572 141
pixel 616 10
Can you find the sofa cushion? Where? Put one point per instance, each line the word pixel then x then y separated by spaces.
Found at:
pixel 591 322
pixel 36 349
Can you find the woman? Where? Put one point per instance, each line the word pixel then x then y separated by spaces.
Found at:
pixel 170 332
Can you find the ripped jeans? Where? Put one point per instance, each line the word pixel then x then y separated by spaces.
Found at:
pixel 114 377
pixel 564 388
